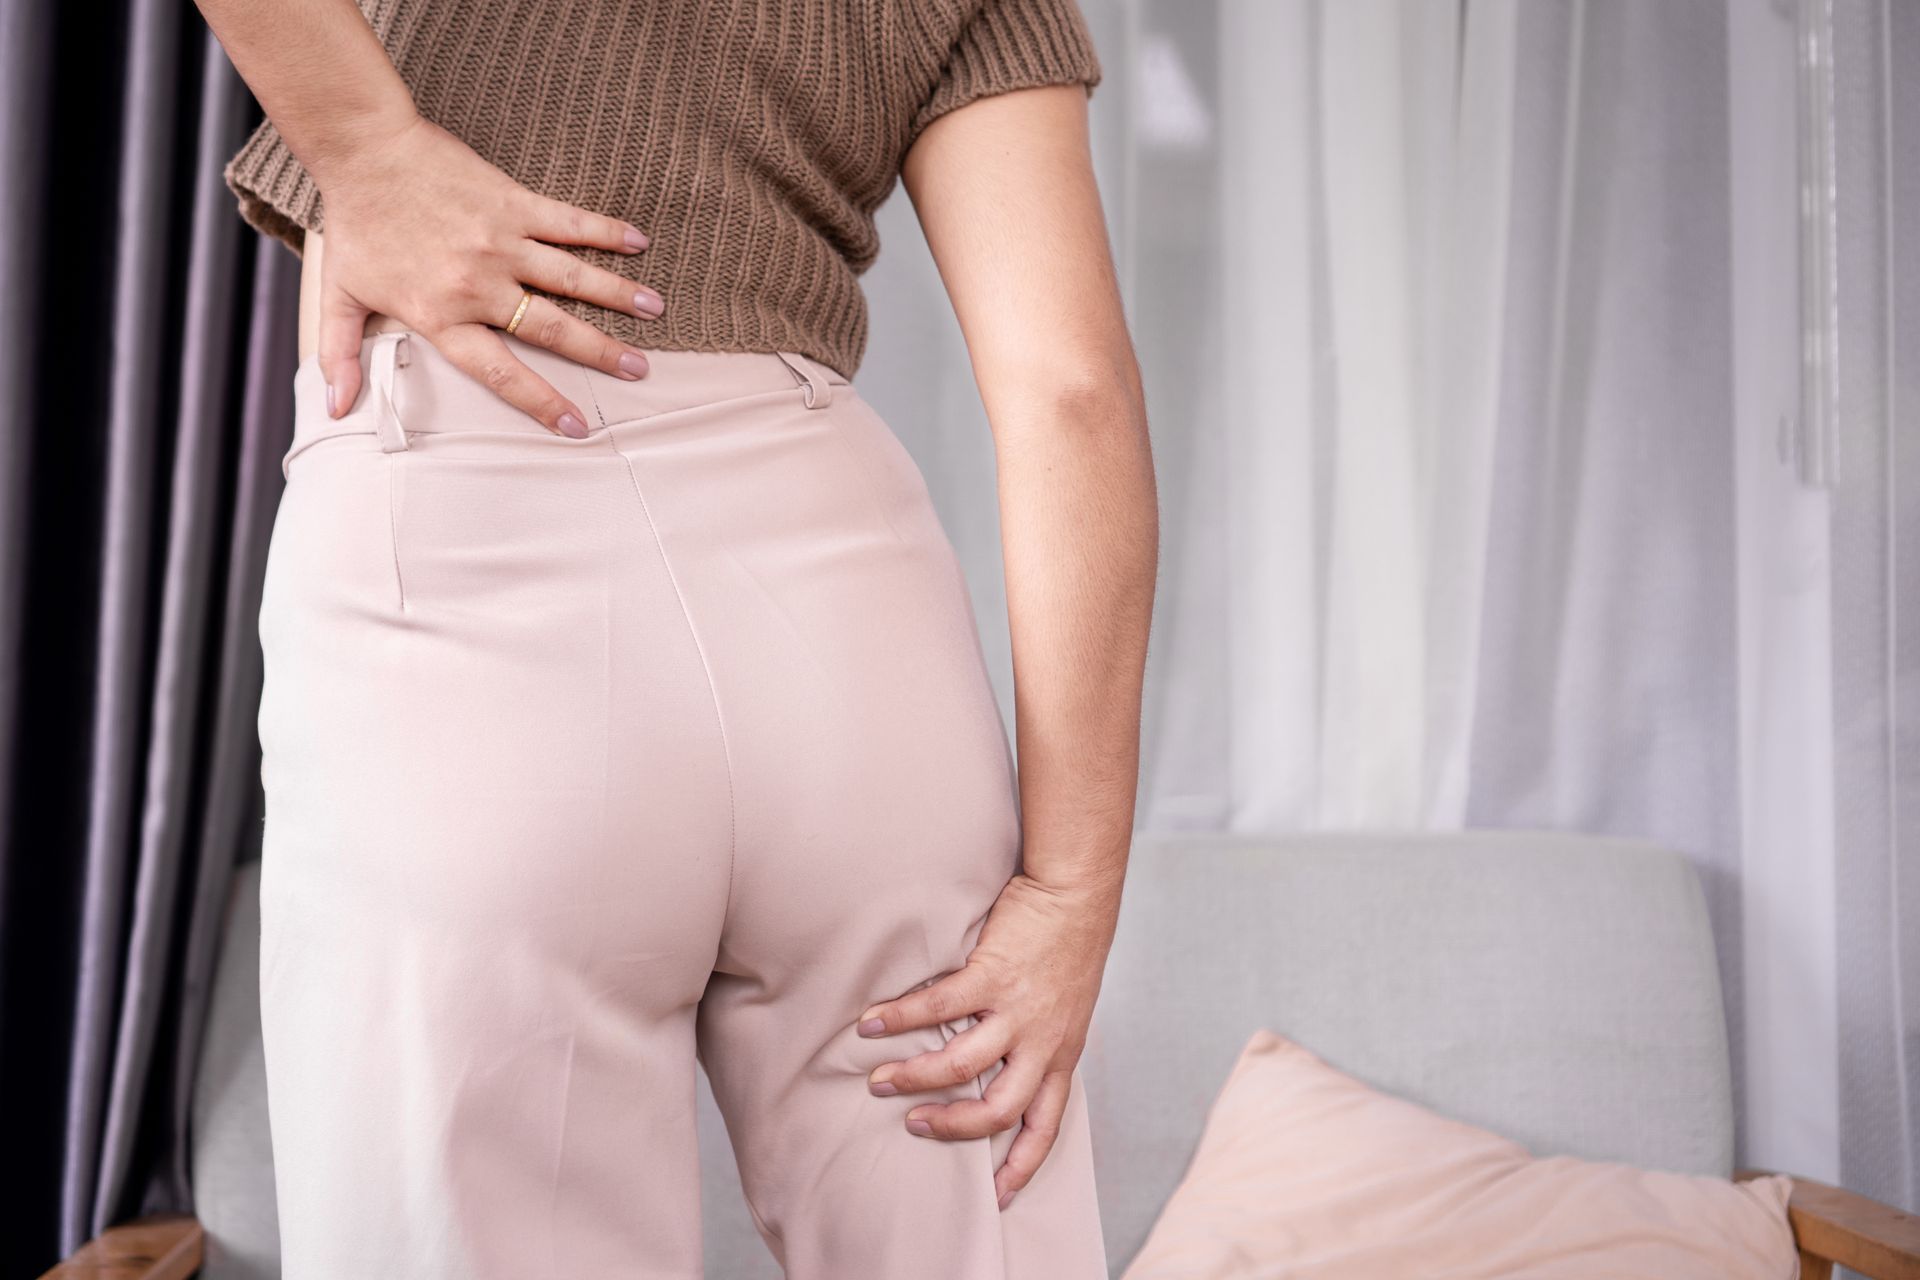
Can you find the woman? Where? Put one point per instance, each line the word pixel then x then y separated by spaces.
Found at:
pixel 624 705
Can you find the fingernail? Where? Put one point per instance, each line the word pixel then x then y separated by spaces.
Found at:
pixel 572 426
pixel 882 1088
pixel 648 303
pixel 872 1027
pixel 636 238
pixel 330 409
pixel 634 366
pixel 920 1127
pixel 1006 1199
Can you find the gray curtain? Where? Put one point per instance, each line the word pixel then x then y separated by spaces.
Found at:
pixel 145 379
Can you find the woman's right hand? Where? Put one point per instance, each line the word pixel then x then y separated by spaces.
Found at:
pixel 420 227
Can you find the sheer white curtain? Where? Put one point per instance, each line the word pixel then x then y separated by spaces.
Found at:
pixel 1532 455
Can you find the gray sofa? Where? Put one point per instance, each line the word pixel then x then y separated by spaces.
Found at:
pixel 1561 990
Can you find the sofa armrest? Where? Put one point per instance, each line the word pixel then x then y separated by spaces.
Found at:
pixel 1833 1227
pixel 163 1247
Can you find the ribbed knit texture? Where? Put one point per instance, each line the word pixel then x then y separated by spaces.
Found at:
pixel 752 140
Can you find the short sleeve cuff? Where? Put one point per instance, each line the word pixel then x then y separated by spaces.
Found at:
pixel 1013 44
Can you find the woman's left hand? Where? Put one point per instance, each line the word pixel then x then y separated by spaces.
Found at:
pixel 1031 982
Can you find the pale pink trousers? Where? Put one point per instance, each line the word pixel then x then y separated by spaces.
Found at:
pixel 586 757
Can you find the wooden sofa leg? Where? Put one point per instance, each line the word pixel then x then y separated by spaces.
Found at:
pixel 161 1247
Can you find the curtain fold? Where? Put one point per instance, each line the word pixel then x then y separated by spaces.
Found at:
pixel 26 49
pixel 1785 749
pixel 137 328
pixel 192 770
pixel 1875 647
pixel 147 411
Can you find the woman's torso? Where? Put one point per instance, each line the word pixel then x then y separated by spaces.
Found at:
pixel 752 140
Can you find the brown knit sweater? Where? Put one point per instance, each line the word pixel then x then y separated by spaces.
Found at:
pixel 752 140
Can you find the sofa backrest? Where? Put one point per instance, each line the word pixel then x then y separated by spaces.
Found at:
pixel 1561 990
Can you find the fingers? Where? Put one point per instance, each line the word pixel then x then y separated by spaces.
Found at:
pixel 1007 1097
pixel 961 1059
pixel 546 325
pixel 558 222
pixel 343 327
pixel 1039 1129
pixel 484 355
pixel 951 998
pixel 565 275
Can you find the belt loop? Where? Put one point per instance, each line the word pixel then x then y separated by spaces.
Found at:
pixel 818 391
pixel 390 352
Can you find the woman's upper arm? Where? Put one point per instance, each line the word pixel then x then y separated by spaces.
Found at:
pixel 1004 190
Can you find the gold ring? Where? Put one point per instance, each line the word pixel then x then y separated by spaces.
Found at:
pixel 520 312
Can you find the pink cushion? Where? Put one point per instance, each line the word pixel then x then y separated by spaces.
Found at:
pixel 1304 1171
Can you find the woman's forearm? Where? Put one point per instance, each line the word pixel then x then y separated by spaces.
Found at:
pixel 1080 536
pixel 1005 190
pixel 319 73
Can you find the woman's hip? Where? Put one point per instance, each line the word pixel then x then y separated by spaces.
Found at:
pixel 729 623
pixel 734 516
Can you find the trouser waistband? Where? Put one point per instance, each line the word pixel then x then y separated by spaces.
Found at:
pixel 410 388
